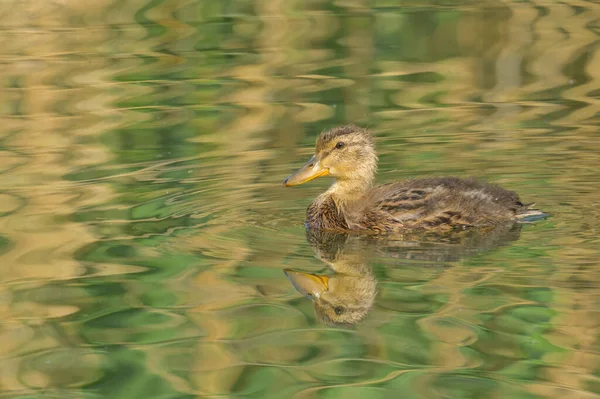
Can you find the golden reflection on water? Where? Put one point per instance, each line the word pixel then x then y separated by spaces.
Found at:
pixel 144 229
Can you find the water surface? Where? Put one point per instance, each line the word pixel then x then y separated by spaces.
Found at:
pixel 144 228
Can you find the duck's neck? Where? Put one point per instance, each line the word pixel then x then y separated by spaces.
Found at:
pixel 346 191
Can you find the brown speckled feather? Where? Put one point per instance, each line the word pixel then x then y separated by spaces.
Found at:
pixel 439 204
pixel 323 213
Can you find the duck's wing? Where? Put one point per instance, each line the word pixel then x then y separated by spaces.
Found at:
pixel 444 203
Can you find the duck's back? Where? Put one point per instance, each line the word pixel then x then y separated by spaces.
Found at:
pixel 439 204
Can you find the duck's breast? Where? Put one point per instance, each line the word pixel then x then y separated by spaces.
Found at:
pixel 323 213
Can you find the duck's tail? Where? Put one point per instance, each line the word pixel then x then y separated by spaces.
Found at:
pixel 527 214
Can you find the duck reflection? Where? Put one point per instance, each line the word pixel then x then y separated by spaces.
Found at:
pixel 345 297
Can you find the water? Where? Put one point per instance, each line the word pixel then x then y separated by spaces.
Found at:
pixel 144 229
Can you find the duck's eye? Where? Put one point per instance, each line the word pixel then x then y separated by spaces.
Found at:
pixel 339 145
pixel 338 310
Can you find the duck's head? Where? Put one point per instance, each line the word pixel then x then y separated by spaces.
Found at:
pixel 346 153
pixel 340 299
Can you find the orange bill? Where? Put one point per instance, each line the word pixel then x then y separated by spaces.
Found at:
pixel 311 170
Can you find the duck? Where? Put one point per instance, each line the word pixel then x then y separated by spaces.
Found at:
pixel 434 204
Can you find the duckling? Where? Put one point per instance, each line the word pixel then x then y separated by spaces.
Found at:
pixel 428 204
pixel 344 298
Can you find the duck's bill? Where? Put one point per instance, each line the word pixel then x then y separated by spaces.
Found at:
pixel 311 170
pixel 311 285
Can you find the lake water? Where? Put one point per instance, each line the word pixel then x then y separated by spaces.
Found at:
pixel 144 228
